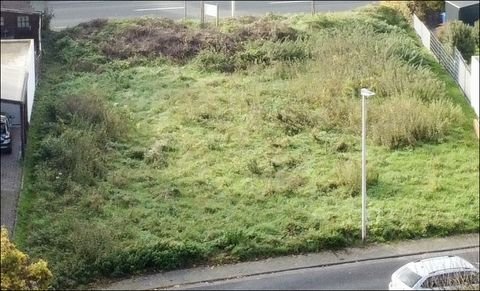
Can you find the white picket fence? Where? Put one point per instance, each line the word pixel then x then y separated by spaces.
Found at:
pixel 465 75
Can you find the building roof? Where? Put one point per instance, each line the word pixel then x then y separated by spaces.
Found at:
pixel 13 81
pixel 18 6
pixel 462 4
pixel 14 54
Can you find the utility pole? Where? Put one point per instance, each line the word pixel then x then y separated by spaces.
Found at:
pixel 233 9
pixel 313 7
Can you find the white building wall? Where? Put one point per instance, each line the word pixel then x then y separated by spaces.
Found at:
pixel 30 68
pixel 474 84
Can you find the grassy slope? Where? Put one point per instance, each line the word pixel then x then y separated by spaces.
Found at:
pixel 236 186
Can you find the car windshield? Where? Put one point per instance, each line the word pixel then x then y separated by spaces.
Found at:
pixel 3 129
pixel 408 277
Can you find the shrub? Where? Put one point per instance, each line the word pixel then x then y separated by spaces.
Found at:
pixel 157 155
pixel 267 28
pixel 73 155
pixel 18 273
pixel 70 51
pixel 427 11
pixel 75 149
pixel 348 175
pixel 162 255
pixel 254 168
pixel 92 112
pixel 294 120
pixel 407 122
pixel 47 16
pixel 211 61
pixel 400 6
pixel 457 34
pixel 267 52
pixel 476 35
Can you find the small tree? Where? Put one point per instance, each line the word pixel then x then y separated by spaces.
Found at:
pixel 17 273
pixel 476 36
pixel 47 16
pixel 427 11
pixel 457 34
pixel 400 6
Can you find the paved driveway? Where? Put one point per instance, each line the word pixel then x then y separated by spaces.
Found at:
pixel 11 172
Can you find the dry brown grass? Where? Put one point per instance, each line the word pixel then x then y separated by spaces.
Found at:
pixel 153 37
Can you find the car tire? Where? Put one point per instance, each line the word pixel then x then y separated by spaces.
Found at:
pixel 9 150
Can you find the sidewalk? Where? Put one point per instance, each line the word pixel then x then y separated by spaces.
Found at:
pixel 371 252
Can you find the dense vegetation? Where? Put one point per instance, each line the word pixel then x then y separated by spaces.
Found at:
pixel 156 145
pixel 17 271
pixel 457 34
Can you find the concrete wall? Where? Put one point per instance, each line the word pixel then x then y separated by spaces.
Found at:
pixel 474 84
pixel 422 31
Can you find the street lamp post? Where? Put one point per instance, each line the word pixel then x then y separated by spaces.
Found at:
pixel 365 93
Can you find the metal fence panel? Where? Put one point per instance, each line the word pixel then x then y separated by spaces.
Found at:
pixel 453 62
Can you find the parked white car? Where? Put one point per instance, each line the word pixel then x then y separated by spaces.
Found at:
pixel 440 273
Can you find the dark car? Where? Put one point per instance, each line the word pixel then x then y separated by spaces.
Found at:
pixel 5 134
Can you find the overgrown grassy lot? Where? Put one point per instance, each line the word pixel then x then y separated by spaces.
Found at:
pixel 157 145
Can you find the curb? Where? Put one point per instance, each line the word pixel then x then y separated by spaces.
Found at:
pixel 272 265
pixel 315 266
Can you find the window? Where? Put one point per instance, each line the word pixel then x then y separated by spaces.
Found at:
pixel 434 282
pixel 1 21
pixel 452 279
pixel 408 277
pixel 23 22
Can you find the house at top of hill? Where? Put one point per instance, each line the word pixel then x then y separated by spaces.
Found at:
pixel 19 20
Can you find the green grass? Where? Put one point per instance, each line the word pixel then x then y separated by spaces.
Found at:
pixel 193 164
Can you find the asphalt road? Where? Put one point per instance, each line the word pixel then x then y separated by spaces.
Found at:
pixel 367 275
pixel 11 180
pixel 71 13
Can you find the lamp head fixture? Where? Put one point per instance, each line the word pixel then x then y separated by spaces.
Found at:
pixel 366 93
